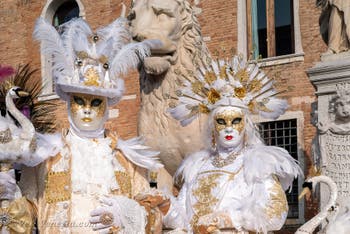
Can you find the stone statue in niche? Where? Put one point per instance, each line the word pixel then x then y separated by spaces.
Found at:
pixel 335 24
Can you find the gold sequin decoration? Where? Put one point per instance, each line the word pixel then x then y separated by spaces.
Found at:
pixel 229 116
pixel 204 196
pixel 197 87
pixel 124 182
pixel 240 92
pixel 88 98
pixel 223 74
pixel 103 59
pixel 278 201
pixel 33 145
pixel 252 106
pixel 82 55
pixel 213 96
pixel 203 109
pixel 57 186
pixel 92 77
pixel 254 86
pixel 210 77
pixel 261 106
pixel 242 75
pixel 5 136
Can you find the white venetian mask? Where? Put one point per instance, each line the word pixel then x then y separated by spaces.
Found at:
pixel 229 126
pixel 87 111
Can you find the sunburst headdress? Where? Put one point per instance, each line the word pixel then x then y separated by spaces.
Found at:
pixel 90 62
pixel 230 82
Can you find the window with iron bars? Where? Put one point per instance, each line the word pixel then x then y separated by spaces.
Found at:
pixel 283 133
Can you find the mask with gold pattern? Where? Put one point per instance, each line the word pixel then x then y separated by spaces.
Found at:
pixel 229 127
pixel 87 112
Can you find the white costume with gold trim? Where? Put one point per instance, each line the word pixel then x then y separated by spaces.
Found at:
pixel 86 169
pixel 250 191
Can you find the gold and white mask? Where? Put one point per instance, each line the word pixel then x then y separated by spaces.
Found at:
pixel 229 127
pixel 87 112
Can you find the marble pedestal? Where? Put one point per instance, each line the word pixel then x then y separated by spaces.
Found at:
pixel 331 77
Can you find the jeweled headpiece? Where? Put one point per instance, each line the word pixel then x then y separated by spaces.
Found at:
pixel 90 62
pixel 233 82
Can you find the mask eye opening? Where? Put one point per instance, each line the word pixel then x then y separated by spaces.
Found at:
pixel 79 101
pixel 96 102
pixel 236 120
pixel 221 121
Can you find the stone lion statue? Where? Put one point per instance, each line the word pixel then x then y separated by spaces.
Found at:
pixel 174 22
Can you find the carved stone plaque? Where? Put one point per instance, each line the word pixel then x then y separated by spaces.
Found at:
pixel 337 148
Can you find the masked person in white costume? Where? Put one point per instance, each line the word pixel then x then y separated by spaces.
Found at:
pixel 236 185
pixel 90 185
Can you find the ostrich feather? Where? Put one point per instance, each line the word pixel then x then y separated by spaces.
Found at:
pixel 130 55
pixel 278 107
pixel 139 154
pixel 116 35
pixel 52 45
pixel 71 30
pixel 48 145
pixel 261 161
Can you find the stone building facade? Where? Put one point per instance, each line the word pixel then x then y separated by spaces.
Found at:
pixel 225 24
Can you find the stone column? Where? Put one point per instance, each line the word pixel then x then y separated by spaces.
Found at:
pixel 331 78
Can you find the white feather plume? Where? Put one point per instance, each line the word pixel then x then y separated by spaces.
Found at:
pixel 52 46
pixel 261 161
pixel 130 56
pixel 71 30
pixel 139 154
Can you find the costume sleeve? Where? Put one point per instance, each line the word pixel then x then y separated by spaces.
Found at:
pixel 269 171
pixel 265 210
pixel 176 216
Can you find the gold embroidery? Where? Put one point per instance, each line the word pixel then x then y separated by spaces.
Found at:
pixel 18 217
pixel 124 182
pixel 92 77
pixel 213 96
pixel 229 117
pixel 278 201
pixel 210 77
pixel 58 186
pixel 206 200
pixel 5 136
pixel 204 196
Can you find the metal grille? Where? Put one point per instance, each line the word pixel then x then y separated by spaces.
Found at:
pixel 283 133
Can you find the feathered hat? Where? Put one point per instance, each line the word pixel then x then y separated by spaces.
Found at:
pixel 230 82
pixel 90 62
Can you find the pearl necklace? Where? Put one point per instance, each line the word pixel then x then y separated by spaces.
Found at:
pixel 220 162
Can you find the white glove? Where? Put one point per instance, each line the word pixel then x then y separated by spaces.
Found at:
pixel 119 214
pixel 106 216
pixel 8 185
